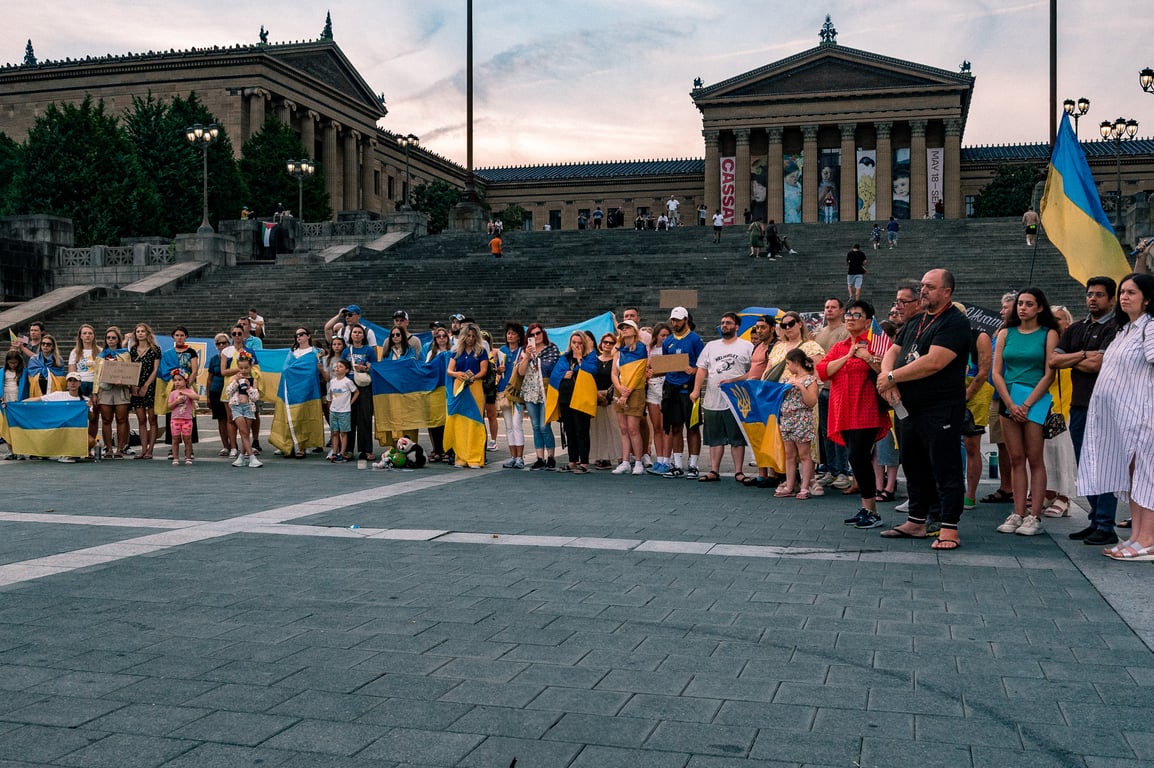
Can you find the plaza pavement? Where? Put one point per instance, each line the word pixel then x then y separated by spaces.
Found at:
pixel 311 615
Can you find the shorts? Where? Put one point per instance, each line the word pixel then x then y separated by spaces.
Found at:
pixel 717 230
pixel 219 412
pixel 634 406
pixel 181 427
pixel 243 411
pixel 721 428
pixel 979 404
pixel 1031 229
pixel 676 408
pixel 86 389
pixel 994 422
pixel 887 450
pixel 113 394
pixel 854 281
pixel 340 421
pixel 653 390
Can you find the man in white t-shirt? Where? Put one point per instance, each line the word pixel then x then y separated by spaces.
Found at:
pixel 672 205
pixel 342 322
pixel 722 360
pixel 718 223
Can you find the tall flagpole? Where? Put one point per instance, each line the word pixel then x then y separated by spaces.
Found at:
pixel 1053 72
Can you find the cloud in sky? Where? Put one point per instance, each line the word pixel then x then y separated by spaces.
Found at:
pixel 605 80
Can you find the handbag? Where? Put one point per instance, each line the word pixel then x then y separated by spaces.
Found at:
pixel 1055 423
pixel 513 387
pixel 363 379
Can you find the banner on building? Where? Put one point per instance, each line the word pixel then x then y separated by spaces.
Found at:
pixel 829 175
pixel 791 172
pixel 935 159
pixel 758 190
pixel 729 190
pixel 901 176
pixel 867 188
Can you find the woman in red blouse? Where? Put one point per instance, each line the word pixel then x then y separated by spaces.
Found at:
pixel 855 420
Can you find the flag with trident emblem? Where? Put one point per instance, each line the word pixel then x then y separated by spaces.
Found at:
pixel 757 407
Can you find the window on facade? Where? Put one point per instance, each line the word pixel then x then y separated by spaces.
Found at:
pixel 377 183
pixel 970 205
pixel 555 219
pixel 392 188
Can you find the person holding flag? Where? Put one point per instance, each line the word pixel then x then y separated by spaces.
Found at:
pixel 465 423
pixel 572 396
pixel 629 386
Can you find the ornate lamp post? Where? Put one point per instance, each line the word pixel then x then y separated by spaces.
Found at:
pixel 1117 131
pixel 300 170
pixel 407 142
pixel 203 135
pixel 1076 110
pixel 1146 80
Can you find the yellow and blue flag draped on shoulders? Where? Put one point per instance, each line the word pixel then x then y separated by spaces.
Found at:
pixel 408 394
pixel 58 428
pixel 757 407
pixel 748 317
pixel 1072 213
pixel 584 387
pixel 631 365
pixel 465 420
pixel 293 385
pixel 38 368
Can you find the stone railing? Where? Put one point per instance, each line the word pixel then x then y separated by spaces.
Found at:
pixel 316 235
pixel 112 265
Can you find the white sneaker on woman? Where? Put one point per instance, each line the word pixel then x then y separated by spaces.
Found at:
pixel 623 468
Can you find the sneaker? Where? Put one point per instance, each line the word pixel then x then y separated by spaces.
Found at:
pixel 826 478
pixel 254 462
pixel 646 461
pixel 66 460
pixel 638 468
pixel 256 448
pixel 491 445
pixel 860 517
pixel 1012 524
pixel 841 482
pixel 551 463
pixel 674 473
pixel 871 520
pixel 518 463
pixel 658 469
pixel 240 461
pixel 1031 526
pixel 223 453
pixel 903 507
pixel 232 453
pixel 538 465
pixel 510 464
pixel 968 503
pixel 623 468
pixel 691 473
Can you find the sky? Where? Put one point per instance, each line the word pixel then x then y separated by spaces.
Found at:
pixel 570 81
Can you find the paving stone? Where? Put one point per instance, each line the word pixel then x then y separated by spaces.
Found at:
pixel 409 746
pixel 241 698
pixel 561 699
pixel 324 705
pixel 903 754
pixel 1075 739
pixel 326 736
pixel 505 721
pixel 406 686
pixel 808 748
pixel 147 719
pixel 683 708
pixel 480 669
pixel 162 691
pixel 41 744
pixel 410 713
pixel 336 680
pixel 62 711
pixel 613 757
pixel 125 751
pixel 244 728
pixel 600 729
pixel 495 694
pixel 228 756
pixel 701 738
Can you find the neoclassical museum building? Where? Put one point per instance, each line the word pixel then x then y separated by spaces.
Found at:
pixel 829 134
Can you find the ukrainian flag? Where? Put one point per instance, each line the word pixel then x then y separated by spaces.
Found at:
pixel 598 325
pixel 465 421
pixel 584 387
pixel 631 366
pixel 55 428
pixel 30 378
pixel 757 407
pixel 748 317
pixel 1072 213
pixel 408 394
pixel 293 385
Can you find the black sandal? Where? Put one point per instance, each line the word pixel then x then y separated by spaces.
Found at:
pixel 741 478
pixel 999 497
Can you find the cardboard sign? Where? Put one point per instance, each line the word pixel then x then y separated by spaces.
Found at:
pixel 668 363
pixel 120 372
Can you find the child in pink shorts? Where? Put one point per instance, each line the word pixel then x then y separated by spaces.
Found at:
pixel 182 405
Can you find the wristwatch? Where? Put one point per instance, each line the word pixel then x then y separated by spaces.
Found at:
pixel 890 378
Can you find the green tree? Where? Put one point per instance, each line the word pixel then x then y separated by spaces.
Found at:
pixel 157 129
pixel 79 163
pixel 513 216
pixel 435 200
pixel 9 162
pixel 1009 193
pixel 263 167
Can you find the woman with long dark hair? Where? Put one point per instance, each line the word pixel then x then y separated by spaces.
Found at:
pixel 536 366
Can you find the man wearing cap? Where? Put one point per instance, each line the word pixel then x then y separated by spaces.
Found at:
pixel 401 320
pixel 676 406
pixel 722 360
pixel 73 393
pixel 340 324
pixel 455 321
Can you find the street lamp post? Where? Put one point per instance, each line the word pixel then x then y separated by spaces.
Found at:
pixel 300 170
pixel 1146 80
pixel 407 142
pixel 1121 129
pixel 203 135
pixel 1076 110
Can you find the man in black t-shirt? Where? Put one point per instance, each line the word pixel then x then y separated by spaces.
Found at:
pixel 926 371
pixel 855 263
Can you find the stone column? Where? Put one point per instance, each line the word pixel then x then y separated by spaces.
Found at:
pixel 352 170
pixel 811 176
pixel 884 172
pixel 332 168
pixel 775 183
pixel 952 184
pixel 742 172
pixel 712 173
pixel 848 203
pixel 372 164
pixel 918 187
pixel 256 99
pixel 309 132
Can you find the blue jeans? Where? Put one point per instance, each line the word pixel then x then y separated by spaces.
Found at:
pixel 834 456
pixel 1104 506
pixel 542 434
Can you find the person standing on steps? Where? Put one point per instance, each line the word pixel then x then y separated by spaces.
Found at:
pixel 855 271
pixel 1030 222
pixel 718 223
pixel 495 247
pixel 892 230
pixel 598 215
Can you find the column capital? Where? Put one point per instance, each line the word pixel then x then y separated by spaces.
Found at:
pixel 258 93
pixel 334 126
pixel 711 137
pixel 775 134
pixel 742 135
pixel 290 105
pixel 313 115
pixel 847 130
pixel 883 129
pixel 954 126
pixel 809 133
pixel 918 127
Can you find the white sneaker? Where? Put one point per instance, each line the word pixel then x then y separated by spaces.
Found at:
pixel 254 462
pixel 232 454
pixel 1031 526
pixel 841 482
pixel 903 507
pixel 240 461
pixel 646 460
pixel 491 445
pixel 826 478
pixel 519 463
pixel 622 469
pixel 1012 524
pixel 639 468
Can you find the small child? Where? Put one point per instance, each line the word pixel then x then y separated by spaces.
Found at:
pixel 182 406
pixel 876 236
pixel 342 394
pixel 13 367
pixel 243 395
pixel 797 428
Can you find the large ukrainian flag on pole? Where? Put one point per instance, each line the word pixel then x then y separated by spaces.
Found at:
pixel 757 407
pixel 55 428
pixel 408 394
pixel 293 384
pixel 1072 213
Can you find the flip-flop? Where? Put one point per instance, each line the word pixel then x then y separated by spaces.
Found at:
pixel 946 545
pixel 898 533
pixel 740 477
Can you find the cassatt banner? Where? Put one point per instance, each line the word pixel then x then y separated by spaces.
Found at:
pixel 729 190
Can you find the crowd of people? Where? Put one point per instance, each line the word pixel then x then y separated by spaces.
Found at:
pixel 862 395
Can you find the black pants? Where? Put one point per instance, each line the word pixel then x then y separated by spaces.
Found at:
pixel 576 424
pixel 361 434
pixel 860 444
pixel 931 441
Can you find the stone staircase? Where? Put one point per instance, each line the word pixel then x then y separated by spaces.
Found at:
pixel 565 276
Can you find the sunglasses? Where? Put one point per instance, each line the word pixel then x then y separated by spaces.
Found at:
pixel 395 335
pixel 237 335
pixel 302 333
pixel 221 343
pixel 537 333
pixel 788 324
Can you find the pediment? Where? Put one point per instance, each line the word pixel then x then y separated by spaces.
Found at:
pixel 329 66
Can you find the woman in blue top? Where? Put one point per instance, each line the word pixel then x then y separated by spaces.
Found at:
pixel 1020 356
pixel 362 356
pixel 513 412
pixel 468 365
